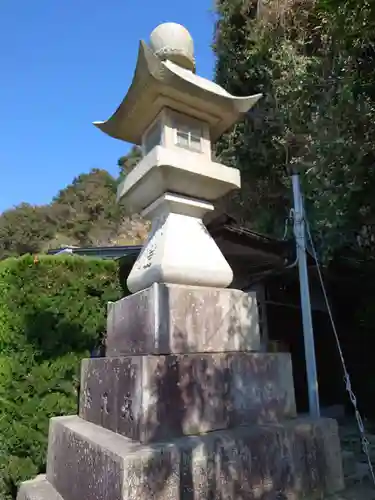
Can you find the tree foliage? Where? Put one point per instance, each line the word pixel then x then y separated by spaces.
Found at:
pixel 24 229
pixel 52 313
pixel 85 213
pixel 314 63
pixel 88 207
pixel 128 162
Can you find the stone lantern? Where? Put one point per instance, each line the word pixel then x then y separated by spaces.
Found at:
pixel 176 115
pixel 184 405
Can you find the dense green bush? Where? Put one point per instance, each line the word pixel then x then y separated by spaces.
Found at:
pixel 52 313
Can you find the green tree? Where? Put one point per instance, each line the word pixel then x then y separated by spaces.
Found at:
pixel 52 314
pixel 313 62
pixel 87 210
pixel 24 229
pixel 129 161
pixel 85 213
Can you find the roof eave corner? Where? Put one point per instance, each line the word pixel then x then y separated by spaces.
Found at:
pixel 148 66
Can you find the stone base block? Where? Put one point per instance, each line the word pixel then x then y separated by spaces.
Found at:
pixel 167 319
pixel 298 459
pixel 155 398
pixel 38 489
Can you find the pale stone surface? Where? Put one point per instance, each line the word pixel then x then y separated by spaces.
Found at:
pixel 157 398
pixel 179 249
pixel 174 121
pixel 86 461
pixel 179 171
pixel 38 489
pixel 173 42
pixel 289 460
pixel 179 319
pixel 163 131
pixel 161 84
pixel 173 185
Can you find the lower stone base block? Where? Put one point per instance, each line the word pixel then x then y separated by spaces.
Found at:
pixel 292 460
pixel 38 489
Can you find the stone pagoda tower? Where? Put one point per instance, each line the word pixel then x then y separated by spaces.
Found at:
pixel 184 405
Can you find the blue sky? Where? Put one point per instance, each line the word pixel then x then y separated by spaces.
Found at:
pixel 65 64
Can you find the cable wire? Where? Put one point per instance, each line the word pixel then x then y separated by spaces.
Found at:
pixel 364 441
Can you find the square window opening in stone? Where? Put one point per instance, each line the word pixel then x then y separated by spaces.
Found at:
pixel 189 136
pixel 153 137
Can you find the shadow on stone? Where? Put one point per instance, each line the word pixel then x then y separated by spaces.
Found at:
pixel 155 320
pixel 192 425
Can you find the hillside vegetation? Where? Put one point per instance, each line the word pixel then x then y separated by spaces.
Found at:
pixel 85 213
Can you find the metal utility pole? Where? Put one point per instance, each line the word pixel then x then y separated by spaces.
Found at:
pixel 308 334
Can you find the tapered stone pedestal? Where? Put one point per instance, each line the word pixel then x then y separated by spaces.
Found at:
pixel 179 248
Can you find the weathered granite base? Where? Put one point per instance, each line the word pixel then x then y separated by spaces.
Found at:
pixel 297 459
pixel 181 361
pixel 38 489
pixel 167 319
pixel 154 398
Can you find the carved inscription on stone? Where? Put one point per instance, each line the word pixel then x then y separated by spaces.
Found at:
pixel 126 408
pixel 145 258
pixel 104 405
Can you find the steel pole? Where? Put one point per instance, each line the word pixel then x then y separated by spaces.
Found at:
pixel 308 333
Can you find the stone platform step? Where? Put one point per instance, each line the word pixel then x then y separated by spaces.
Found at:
pixel 296 459
pixel 38 489
pixel 349 463
pixel 157 398
pixel 360 475
pixel 355 463
pixel 358 492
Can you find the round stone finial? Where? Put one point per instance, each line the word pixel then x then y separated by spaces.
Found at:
pixel 173 42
